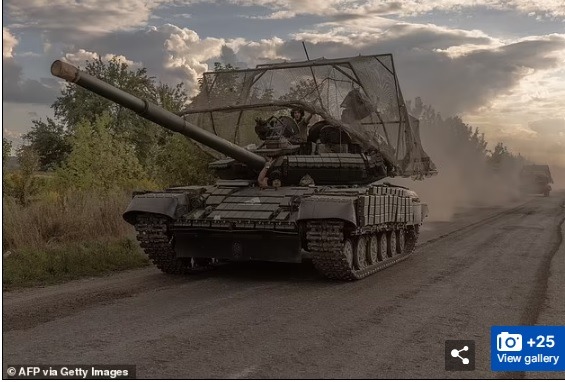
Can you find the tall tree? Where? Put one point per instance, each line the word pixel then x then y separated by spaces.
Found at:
pixel 501 159
pixel 77 104
pixel 77 107
pixel 6 151
pixel 499 154
pixel 172 98
pixel 51 141
pixel 453 137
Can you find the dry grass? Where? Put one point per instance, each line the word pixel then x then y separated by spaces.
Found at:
pixel 56 219
pixel 58 238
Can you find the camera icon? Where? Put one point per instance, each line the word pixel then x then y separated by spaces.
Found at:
pixel 508 342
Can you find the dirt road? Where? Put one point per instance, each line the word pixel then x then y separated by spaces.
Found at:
pixel 490 266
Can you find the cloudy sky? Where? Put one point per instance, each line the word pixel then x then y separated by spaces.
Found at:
pixel 500 64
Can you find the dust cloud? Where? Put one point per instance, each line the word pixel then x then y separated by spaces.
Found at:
pixel 465 177
pixel 558 175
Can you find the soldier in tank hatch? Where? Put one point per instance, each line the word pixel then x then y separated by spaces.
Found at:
pixel 301 121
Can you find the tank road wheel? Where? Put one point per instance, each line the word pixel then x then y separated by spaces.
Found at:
pixel 373 249
pixel 391 243
pixel 360 259
pixel 348 252
pixel 383 245
pixel 411 237
pixel 400 241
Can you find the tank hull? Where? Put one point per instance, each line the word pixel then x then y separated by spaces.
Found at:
pixel 234 222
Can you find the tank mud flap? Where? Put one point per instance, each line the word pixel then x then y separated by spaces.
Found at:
pixel 164 204
pixel 328 208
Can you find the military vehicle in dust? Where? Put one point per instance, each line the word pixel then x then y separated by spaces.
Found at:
pixel 288 189
pixel 535 179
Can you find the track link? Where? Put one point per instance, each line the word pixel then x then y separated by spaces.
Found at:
pixel 333 258
pixel 158 244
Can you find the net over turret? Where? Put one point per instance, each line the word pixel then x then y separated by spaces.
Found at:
pixel 356 106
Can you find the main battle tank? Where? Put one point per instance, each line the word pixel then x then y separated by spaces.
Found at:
pixel 286 191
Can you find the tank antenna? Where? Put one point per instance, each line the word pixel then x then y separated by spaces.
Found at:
pixel 305 51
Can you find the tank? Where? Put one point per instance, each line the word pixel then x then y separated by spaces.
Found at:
pixel 313 186
pixel 535 179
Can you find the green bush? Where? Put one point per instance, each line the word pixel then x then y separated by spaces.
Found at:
pixel 100 161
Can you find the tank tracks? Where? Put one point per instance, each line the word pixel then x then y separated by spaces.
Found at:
pixel 334 253
pixel 153 237
pixel 352 257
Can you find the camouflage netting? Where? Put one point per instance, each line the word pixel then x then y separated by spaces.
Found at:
pixel 361 95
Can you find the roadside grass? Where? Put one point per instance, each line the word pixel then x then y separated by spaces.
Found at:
pixel 63 237
pixel 70 218
pixel 64 262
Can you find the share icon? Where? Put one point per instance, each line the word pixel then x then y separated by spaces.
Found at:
pixel 459 355
pixel 455 354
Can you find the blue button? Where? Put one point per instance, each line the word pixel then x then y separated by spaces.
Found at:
pixel 527 348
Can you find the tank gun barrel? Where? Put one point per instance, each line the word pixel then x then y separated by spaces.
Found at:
pixel 155 113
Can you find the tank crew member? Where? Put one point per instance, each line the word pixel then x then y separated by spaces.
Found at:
pixel 302 122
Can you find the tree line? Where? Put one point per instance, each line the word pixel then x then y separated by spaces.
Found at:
pixel 93 143
pixel 460 142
